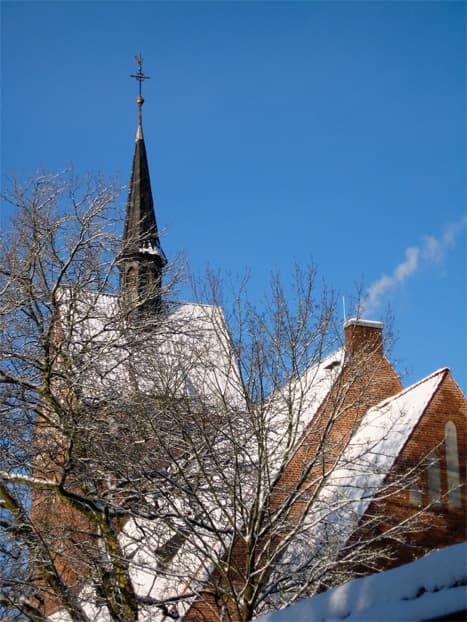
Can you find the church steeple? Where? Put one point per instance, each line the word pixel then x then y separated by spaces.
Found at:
pixel 141 259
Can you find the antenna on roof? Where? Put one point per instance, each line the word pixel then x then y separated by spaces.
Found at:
pixel 343 307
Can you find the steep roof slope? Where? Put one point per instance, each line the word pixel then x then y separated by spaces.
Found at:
pixel 188 351
pixel 363 466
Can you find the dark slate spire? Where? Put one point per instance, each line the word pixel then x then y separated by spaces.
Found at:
pixel 140 223
pixel 142 258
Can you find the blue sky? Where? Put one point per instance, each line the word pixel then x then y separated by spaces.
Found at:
pixel 276 132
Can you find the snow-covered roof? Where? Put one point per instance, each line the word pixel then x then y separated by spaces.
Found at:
pixel 293 407
pixel 360 471
pixel 361 322
pixel 433 586
pixel 378 441
pixel 188 352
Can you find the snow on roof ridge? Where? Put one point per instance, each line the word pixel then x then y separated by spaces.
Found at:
pixel 100 294
pixel 355 321
pixel 402 392
pixel 197 304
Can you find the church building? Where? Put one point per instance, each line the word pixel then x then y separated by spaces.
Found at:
pixel 366 456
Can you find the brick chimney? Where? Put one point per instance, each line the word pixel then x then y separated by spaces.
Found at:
pixel 363 336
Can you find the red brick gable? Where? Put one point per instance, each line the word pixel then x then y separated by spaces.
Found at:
pixel 440 523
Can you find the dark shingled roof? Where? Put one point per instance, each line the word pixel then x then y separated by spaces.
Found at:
pixel 140 224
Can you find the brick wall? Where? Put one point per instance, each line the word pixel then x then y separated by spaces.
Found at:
pixel 67 534
pixel 439 524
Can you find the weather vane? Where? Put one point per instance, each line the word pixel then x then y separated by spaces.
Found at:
pixel 140 76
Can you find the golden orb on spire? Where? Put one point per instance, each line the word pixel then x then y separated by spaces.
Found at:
pixel 140 76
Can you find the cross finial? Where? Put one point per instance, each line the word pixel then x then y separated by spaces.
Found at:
pixel 140 76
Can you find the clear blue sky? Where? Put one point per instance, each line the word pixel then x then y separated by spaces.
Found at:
pixel 276 131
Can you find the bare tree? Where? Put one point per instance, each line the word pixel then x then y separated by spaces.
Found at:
pixel 62 394
pixel 270 487
pixel 184 462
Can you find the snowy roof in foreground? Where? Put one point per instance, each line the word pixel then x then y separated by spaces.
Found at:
pixel 430 587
